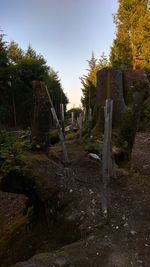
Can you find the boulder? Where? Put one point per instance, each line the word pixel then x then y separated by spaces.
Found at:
pixel 90 252
pixel 41 115
pixel 128 89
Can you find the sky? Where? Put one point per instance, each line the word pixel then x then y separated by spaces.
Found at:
pixel 65 32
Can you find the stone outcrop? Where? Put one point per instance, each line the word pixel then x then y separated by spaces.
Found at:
pixel 109 85
pixel 90 252
pixel 55 198
pixel 41 115
pixel 128 89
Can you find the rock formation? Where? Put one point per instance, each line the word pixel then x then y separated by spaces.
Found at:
pixel 41 115
pixel 128 89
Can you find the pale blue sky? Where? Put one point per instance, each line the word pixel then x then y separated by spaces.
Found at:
pixel 65 32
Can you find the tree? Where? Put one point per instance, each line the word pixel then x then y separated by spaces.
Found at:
pixel 89 81
pixel 121 53
pixel 18 70
pixel 55 89
pixel 4 81
pixel 24 69
pixel 31 52
pixel 131 48
pixel 15 53
pixel 89 90
pixel 25 72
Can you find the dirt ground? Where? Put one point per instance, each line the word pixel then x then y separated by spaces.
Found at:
pixel 10 206
pixel 128 226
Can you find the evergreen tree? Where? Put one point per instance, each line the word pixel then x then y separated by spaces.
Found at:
pixel 15 53
pixel 89 81
pixel 31 52
pixel 56 91
pixel 131 48
pixel 25 69
pixel 5 74
pixel 4 62
pixel 18 69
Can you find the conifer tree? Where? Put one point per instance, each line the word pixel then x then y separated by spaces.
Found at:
pixel 15 53
pixel 89 81
pixel 131 48
pixel 18 69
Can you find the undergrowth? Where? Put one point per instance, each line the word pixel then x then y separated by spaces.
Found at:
pixel 12 151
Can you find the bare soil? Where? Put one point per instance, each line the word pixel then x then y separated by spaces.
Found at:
pixel 128 225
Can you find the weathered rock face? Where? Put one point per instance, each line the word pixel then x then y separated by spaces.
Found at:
pixel 57 203
pixel 41 122
pixel 109 85
pixel 128 89
pixel 91 252
pixel 12 224
pixel 136 88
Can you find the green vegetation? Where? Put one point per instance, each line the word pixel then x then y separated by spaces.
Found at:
pixel 89 92
pixel 18 69
pixel 89 81
pixel 12 148
pixel 131 47
pixel 130 50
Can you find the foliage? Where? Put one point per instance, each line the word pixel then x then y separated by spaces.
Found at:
pixel 70 136
pixel 15 54
pixel 11 153
pixel 89 90
pixel 89 81
pixel 121 54
pixel 18 69
pixel 131 48
pixel 4 62
pixel 13 147
pixel 95 148
pixel 56 91
pixel 4 78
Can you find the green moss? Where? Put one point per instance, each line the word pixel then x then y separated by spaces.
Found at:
pixel 10 234
pixel 94 148
pixel 70 136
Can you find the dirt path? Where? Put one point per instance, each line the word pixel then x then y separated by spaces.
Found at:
pixel 141 153
pixel 127 232
pixel 124 240
pixel 129 224
pixel 128 229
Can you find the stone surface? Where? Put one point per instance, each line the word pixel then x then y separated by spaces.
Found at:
pixel 128 89
pixel 114 90
pixel 41 114
pixel 90 252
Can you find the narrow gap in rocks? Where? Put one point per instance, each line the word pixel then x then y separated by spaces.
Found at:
pixel 41 227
